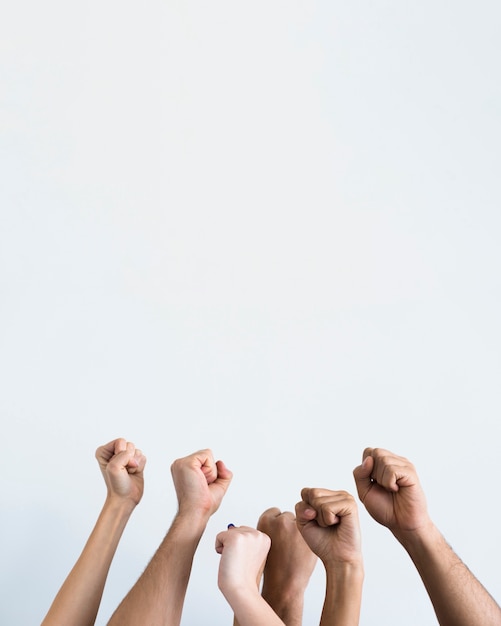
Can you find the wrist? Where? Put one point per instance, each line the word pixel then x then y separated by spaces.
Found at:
pixel 119 505
pixel 283 590
pixel 191 522
pixel 345 570
pixel 419 537
pixel 239 592
pixel 193 514
pixel 343 595
pixel 286 603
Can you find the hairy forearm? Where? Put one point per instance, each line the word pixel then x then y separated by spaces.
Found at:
pixel 343 596
pixel 158 596
pixel 78 599
pixel 458 598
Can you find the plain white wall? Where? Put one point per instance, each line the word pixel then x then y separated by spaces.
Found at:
pixel 269 228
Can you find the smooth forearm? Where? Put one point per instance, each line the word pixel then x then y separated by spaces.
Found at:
pixel 458 598
pixel 250 609
pixel 288 604
pixel 78 599
pixel 158 596
pixel 343 596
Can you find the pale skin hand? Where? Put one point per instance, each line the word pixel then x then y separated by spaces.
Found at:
pixel 389 488
pixel 157 598
pixel 328 522
pixel 77 602
pixel 243 551
pixel 288 567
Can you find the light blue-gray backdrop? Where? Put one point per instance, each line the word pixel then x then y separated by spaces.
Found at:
pixel 269 228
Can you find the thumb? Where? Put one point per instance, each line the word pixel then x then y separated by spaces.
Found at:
pixel 125 459
pixel 224 475
pixel 362 475
pixel 304 514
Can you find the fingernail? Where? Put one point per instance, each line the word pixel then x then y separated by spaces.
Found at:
pixel 231 525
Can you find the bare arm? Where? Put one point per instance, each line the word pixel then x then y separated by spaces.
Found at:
pixel 458 598
pixel 289 565
pixel 389 487
pixel 78 599
pixel 157 598
pixel 243 551
pixel 328 521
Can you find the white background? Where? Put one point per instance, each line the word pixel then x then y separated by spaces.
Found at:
pixel 268 228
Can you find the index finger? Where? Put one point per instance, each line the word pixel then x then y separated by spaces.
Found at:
pixel 220 537
pixel 304 513
pixel 108 450
pixel 207 465
pixel 137 462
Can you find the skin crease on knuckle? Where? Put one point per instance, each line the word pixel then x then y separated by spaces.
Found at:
pixel 246 548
